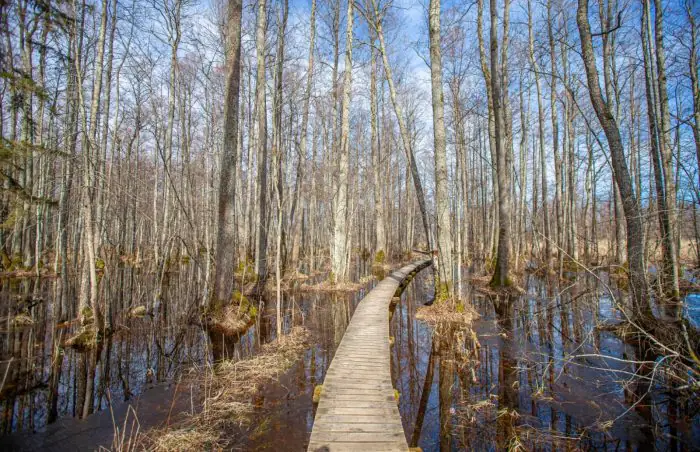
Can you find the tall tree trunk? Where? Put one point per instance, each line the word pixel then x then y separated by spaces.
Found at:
pixel 669 274
pixel 445 264
pixel 340 201
pixel 278 155
pixel 501 271
pixel 670 257
pixel 379 232
pixel 694 83
pixel 541 135
pixel 261 141
pixel 558 191
pixel 635 229
pixel 305 109
pixel 222 293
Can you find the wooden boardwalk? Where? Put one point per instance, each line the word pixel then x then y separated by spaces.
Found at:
pixel 357 410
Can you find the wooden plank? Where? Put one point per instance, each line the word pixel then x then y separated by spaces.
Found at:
pixel 357 427
pixel 351 411
pixel 357 410
pixel 338 446
pixel 358 437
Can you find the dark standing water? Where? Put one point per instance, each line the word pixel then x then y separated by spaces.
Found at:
pixel 544 377
pixel 137 366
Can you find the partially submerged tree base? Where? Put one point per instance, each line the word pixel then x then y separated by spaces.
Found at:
pixel 138 312
pixel 442 313
pixel 653 332
pixel 234 318
pixel 485 286
pixel 85 339
pixel 21 320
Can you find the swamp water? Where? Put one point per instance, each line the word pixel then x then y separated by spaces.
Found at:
pixel 524 386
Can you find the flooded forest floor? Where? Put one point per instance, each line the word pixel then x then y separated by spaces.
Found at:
pixel 539 372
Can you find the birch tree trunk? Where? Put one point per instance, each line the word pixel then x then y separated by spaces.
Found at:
pixel 278 155
pixel 445 264
pixel 305 109
pixel 340 201
pixel 380 249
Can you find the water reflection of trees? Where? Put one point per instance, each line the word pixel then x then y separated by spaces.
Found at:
pixel 546 374
pixel 44 379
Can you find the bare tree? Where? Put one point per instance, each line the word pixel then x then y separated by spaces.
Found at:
pixel 340 201
pixel 635 230
pixel 445 263
pixel 222 291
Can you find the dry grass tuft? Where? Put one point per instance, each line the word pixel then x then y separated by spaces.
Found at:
pixel 22 320
pixel 327 286
pixel 84 339
pixel 230 388
pixel 440 313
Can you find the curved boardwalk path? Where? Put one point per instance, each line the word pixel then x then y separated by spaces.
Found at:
pixel 357 410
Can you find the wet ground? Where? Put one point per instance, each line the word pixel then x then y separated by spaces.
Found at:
pixel 543 377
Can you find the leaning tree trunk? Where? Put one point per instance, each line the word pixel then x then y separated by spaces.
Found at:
pixel 635 229
pixel 403 130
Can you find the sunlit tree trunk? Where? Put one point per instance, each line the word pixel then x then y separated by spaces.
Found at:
pixel 379 232
pixel 635 243
pixel 261 141
pixel 278 156
pixel 558 190
pixel 340 200
pixel 500 276
pixel 305 111
pixel 445 264
pixel 376 22
pixel 222 292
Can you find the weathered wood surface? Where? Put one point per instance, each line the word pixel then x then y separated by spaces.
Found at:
pixel 357 410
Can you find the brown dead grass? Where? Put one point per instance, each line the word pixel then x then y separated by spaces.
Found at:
pixel 482 285
pixel 327 286
pixel 233 321
pixel 230 388
pixel 441 313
